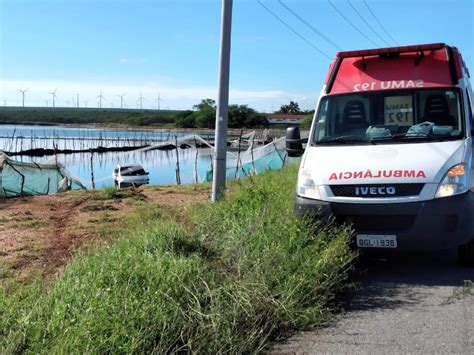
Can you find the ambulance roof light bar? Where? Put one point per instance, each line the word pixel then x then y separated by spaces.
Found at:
pixel 390 50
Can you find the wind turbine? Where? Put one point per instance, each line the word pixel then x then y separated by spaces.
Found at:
pixel 100 97
pixel 77 97
pixel 23 94
pixel 141 98
pixel 47 103
pixel 85 103
pixel 121 99
pixel 158 100
pixel 54 95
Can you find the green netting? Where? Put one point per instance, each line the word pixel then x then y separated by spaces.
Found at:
pixel 27 179
pixel 254 160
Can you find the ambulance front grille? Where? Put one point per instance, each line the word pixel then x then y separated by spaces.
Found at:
pixel 375 223
pixel 376 190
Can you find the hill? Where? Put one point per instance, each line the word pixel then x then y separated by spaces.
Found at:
pixel 81 116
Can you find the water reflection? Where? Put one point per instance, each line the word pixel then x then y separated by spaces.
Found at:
pixel 161 164
pixel 18 138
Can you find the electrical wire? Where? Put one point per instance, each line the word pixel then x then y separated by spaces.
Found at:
pixel 309 25
pixel 350 23
pixel 368 25
pixel 380 24
pixel 294 31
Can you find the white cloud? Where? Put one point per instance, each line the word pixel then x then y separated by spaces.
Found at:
pixel 173 97
pixel 132 61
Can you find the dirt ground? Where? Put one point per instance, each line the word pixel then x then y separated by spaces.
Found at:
pixel 38 234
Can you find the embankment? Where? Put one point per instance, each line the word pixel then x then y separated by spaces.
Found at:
pixel 212 278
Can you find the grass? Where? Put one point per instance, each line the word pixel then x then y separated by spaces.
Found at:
pixel 236 275
pixel 464 291
pixel 95 207
pixel 28 222
pixel 111 193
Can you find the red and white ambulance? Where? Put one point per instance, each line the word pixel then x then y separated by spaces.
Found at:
pixel 390 149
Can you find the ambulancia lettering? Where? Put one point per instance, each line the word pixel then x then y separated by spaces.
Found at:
pixel 375 190
pixel 369 174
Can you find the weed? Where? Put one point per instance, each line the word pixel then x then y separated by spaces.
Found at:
pixel 94 207
pixel 111 193
pixel 462 292
pixel 29 222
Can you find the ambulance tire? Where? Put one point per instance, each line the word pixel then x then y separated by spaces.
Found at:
pixel 466 254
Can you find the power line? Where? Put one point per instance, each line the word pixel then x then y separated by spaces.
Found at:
pixel 350 23
pixel 376 19
pixel 309 25
pixel 368 25
pixel 294 31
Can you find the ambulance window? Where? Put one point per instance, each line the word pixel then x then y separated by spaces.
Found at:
pixel 440 107
pixel 322 122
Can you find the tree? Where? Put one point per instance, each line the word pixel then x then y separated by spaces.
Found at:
pixel 205 114
pixel 244 116
pixel 306 122
pixel 292 108
pixel 186 119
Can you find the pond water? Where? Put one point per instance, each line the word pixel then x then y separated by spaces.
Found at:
pixel 160 164
pixel 96 169
pixel 17 138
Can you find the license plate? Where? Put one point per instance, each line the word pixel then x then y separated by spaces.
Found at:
pixel 376 241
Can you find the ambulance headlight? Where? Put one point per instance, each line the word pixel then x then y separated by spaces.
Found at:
pixel 454 182
pixel 306 186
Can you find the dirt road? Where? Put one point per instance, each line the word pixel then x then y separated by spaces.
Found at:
pixel 403 304
pixel 39 234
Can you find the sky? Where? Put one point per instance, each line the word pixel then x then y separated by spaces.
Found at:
pixel 169 49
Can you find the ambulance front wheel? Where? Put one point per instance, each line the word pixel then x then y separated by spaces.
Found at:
pixel 466 254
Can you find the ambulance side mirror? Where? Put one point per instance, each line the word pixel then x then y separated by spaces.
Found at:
pixel 294 145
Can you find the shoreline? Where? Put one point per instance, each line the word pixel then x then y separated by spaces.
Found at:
pixel 98 126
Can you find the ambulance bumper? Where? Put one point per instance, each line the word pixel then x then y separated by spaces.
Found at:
pixel 428 225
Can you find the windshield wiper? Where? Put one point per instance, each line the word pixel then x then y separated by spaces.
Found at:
pixel 402 137
pixel 344 140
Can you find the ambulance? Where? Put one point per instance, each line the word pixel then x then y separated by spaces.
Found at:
pixel 390 149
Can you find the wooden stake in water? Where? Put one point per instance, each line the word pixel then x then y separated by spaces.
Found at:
pixel 196 161
pixel 178 175
pixel 92 170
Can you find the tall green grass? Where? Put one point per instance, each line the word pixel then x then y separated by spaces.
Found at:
pixel 243 271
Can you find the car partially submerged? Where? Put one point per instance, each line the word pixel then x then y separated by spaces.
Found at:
pixel 130 176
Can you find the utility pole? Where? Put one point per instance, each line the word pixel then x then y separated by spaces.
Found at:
pixel 220 142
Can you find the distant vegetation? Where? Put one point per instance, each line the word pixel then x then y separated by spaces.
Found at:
pixel 306 122
pixel 219 278
pixel 203 115
pixel 18 115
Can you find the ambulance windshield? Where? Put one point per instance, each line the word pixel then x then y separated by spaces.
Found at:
pixel 384 117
